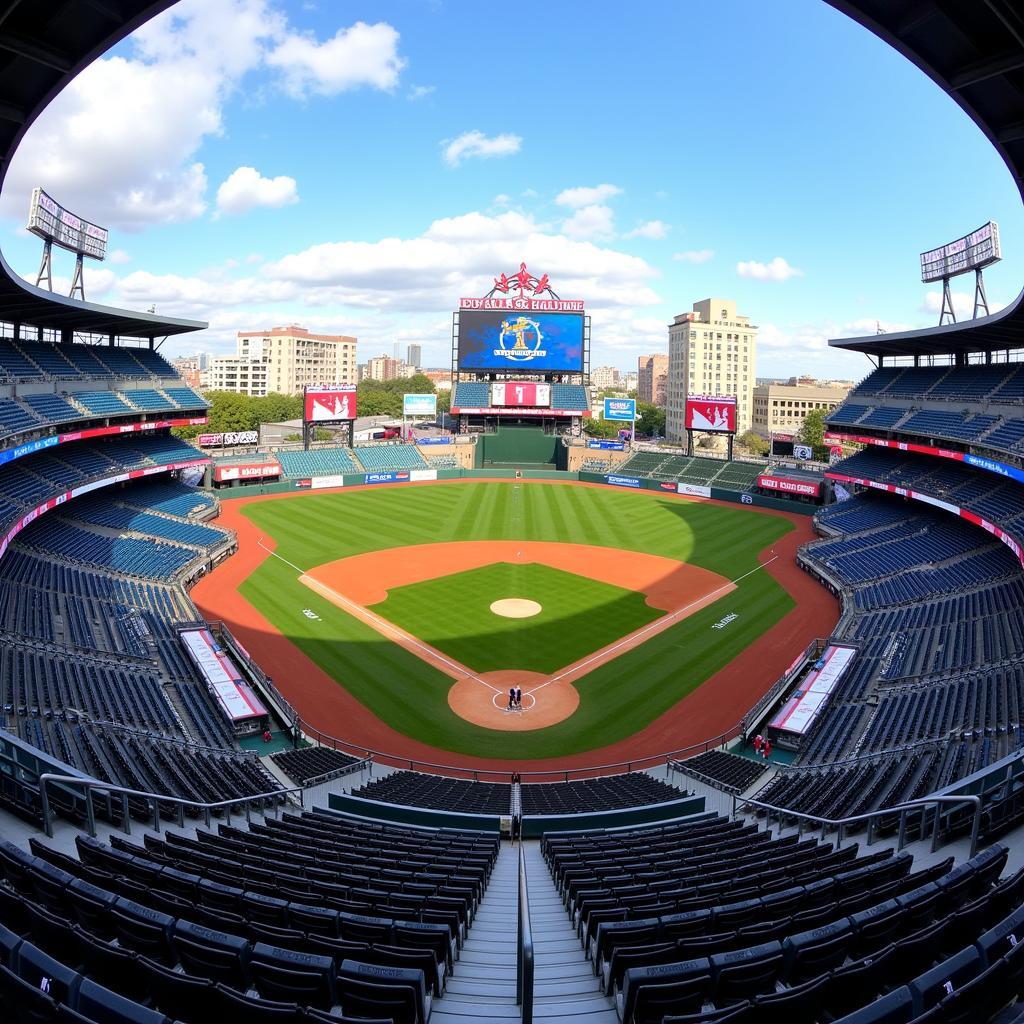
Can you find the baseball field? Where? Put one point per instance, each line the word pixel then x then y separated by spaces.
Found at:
pixel 424 603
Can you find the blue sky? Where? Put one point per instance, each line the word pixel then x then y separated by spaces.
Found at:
pixel 357 167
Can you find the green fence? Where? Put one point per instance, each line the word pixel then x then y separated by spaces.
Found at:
pixel 520 446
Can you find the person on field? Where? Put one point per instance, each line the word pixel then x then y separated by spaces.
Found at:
pixel 519 698
pixel 511 698
pixel 758 741
pixel 766 750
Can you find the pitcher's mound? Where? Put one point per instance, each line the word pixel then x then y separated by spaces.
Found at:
pixel 516 608
pixel 481 705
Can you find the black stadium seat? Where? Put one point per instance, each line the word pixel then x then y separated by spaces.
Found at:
pixel 289 976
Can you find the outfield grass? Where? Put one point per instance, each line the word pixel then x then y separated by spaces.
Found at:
pixel 578 616
pixel 617 699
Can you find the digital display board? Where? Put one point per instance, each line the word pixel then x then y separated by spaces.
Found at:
pixel 419 405
pixel 528 393
pixel 620 409
pixel 529 341
pixel 330 404
pixel 711 414
pixel 975 251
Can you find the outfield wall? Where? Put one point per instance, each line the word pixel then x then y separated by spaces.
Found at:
pixel 248 490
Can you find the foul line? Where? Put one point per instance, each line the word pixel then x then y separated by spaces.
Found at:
pixel 382 625
pixel 659 625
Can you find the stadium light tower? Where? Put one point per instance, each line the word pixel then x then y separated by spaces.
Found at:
pixel 975 251
pixel 54 225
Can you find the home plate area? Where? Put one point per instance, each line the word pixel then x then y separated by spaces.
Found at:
pixel 439 601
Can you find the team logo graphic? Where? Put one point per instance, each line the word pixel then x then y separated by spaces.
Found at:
pixel 520 340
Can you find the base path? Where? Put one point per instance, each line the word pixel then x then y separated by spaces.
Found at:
pixel 709 710
pixel 676 588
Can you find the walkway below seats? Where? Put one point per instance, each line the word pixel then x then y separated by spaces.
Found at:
pixel 483 986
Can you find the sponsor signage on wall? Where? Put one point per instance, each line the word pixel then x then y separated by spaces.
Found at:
pixel 713 414
pixel 419 475
pixel 248 471
pixel 229 438
pixel 611 446
pixel 623 481
pixel 785 485
pixel 318 482
pixel 693 490
pixel 392 477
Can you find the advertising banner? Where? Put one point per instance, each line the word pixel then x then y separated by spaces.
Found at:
pixel 419 405
pixel 422 474
pixel 623 409
pixel 330 404
pixel 787 486
pixel 507 392
pixel 623 481
pixel 392 477
pixel 531 341
pixel 318 482
pixel 248 471
pixel 693 490
pixel 715 414
pixel 230 438
pixel 804 452
pixel 446 439
pixel 611 446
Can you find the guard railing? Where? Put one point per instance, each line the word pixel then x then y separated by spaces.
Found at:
pixel 524 947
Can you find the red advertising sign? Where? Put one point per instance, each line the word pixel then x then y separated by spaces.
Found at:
pixel 249 471
pixel 785 485
pixel 330 404
pixel 526 393
pixel 715 414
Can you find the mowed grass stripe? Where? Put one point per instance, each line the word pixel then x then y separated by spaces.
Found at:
pixel 578 616
pixel 615 701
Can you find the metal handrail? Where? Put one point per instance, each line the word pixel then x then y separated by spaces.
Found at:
pixel 564 774
pixel 524 947
pixel 840 824
pixel 88 786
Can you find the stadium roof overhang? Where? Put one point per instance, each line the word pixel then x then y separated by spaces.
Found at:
pixel 43 45
pixel 974 50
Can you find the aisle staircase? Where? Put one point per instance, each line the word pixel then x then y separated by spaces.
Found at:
pixel 483 985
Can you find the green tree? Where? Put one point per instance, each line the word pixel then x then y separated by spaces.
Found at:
pixel 754 443
pixel 813 433
pixel 597 427
pixel 229 411
pixel 650 421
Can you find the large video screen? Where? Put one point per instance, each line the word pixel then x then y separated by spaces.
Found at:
pixel 528 342
pixel 711 414
pixel 330 404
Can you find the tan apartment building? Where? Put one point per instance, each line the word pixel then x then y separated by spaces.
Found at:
pixel 244 376
pixel 781 408
pixel 384 367
pixel 711 351
pixel 293 358
pixel 652 379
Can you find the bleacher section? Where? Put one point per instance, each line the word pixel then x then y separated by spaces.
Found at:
pixel 320 917
pixel 308 763
pixel 471 394
pixel 935 694
pixel 569 396
pixel 317 462
pixel 736 476
pixel 438 792
pixel 32 361
pixel 373 457
pixel 727 771
pixel 608 793
pixel 711 917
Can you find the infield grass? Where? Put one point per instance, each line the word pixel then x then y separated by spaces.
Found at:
pixel 616 699
pixel 578 616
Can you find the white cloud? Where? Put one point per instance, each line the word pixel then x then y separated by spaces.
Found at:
pixel 585 195
pixel 963 304
pixel 475 144
pixel 776 270
pixel 591 222
pixel 143 117
pixel 363 55
pixel 118 256
pixel 652 229
pixel 246 188
pixel 694 256
pixel 419 92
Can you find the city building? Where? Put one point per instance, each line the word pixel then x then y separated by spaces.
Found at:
pixel 241 374
pixel 781 408
pixel 384 367
pixel 441 379
pixel 284 359
pixel 629 381
pixel 189 370
pixel 604 378
pixel 652 379
pixel 711 351
pixel 414 355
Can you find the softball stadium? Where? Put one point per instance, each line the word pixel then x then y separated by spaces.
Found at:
pixel 496 720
